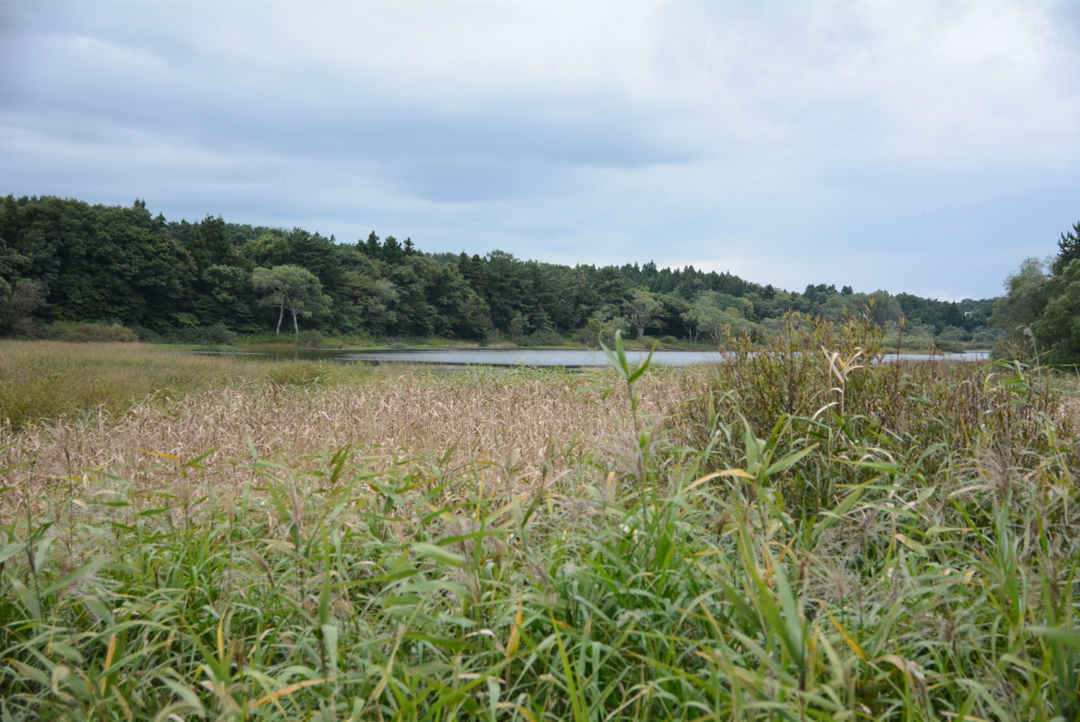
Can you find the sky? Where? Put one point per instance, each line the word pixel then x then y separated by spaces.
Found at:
pixel 920 147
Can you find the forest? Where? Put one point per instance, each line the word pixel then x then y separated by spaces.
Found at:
pixel 64 261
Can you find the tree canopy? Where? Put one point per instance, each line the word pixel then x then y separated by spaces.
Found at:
pixel 1040 311
pixel 66 260
pixel 293 289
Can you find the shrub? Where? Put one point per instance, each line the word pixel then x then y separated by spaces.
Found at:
pixel 953 333
pixel 543 338
pixel 90 332
pixel 216 335
pixel 146 335
pixel 945 345
pixel 586 337
pixel 310 339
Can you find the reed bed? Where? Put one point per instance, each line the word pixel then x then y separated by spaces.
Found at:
pixel 51 380
pixel 804 536
pixel 518 421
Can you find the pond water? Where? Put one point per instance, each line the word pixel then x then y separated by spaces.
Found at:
pixel 566 358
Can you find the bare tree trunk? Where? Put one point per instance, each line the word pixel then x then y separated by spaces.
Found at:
pixel 281 315
pixel 296 327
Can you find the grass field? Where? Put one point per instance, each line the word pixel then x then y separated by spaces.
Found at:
pixel 796 535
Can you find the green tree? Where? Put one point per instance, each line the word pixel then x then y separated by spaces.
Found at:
pixel 692 322
pixel 268 250
pixel 715 314
pixel 1068 250
pixel 209 244
pixel 605 322
pixel 293 289
pixel 642 310
pixel 227 297
pixel 462 313
pixel 1058 329
pixel 99 262
pixel 380 312
pixel 671 314
pixel 18 301
pixel 716 322
pixel 415 315
pixel 471 318
pixel 1042 303
pixel 1027 293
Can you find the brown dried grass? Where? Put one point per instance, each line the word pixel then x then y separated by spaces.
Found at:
pixel 518 425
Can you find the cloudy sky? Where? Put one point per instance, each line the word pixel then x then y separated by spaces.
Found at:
pixel 919 147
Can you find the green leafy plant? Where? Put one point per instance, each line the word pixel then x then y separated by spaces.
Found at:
pixel 932 577
pixel 629 373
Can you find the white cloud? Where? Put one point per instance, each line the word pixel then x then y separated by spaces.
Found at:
pixel 911 146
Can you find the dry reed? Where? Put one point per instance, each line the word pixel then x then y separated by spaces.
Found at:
pixel 517 423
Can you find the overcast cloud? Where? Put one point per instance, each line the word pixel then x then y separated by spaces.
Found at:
pixel 920 147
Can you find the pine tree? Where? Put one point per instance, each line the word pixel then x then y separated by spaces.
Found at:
pixel 1068 249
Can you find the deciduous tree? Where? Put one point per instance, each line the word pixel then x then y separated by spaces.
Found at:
pixel 1027 293
pixel 642 310
pixel 290 288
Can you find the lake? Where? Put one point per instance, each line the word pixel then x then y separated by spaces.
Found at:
pixel 548 358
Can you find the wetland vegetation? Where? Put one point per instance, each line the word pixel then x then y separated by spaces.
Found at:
pixel 796 534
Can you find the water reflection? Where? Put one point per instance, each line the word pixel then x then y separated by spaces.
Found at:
pixel 547 358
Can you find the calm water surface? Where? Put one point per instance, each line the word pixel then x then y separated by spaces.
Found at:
pixel 572 358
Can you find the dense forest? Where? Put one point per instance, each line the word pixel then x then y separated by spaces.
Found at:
pixel 64 261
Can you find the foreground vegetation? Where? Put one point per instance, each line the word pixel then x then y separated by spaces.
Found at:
pixel 799 534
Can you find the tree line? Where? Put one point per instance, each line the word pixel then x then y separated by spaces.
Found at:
pixel 1040 311
pixel 63 260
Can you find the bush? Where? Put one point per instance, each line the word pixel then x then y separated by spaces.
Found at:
pixel 90 332
pixel 216 335
pixel 543 338
pixel 954 333
pixel 310 339
pixel 585 337
pixel 146 335
pixel 948 346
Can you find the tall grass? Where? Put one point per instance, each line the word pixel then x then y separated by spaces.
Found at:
pixel 671 566
pixel 816 383
pixel 48 380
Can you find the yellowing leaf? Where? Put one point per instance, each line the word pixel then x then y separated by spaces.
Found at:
pixel 284 691
pixel 157 453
